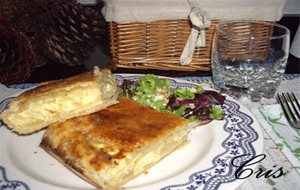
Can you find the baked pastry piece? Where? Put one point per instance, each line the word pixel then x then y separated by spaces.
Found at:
pixel 112 146
pixel 61 99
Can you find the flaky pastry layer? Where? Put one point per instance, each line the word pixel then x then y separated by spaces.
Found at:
pixel 59 100
pixel 112 146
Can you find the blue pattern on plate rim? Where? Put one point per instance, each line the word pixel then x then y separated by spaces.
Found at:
pixel 6 184
pixel 241 135
pixel 23 85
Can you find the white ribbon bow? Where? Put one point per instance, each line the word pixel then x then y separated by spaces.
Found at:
pixel 200 22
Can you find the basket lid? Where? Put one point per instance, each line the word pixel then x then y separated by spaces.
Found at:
pixel 125 11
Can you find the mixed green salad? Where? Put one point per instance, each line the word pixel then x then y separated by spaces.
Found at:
pixel 190 103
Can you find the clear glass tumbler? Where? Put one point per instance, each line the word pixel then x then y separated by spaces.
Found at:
pixel 249 57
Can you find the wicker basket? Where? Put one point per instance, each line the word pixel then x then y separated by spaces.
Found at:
pixel 157 45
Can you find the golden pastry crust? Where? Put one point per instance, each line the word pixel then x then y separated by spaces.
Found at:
pixel 56 86
pixel 59 100
pixel 112 146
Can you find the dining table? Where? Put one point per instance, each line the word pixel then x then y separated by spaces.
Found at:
pixel 277 167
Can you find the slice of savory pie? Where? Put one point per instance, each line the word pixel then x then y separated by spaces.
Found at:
pixel 61 99
pixel 112 146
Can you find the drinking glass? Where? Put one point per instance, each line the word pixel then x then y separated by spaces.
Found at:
pixel 249 57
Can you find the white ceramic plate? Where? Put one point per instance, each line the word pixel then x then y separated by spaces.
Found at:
pixel 205 163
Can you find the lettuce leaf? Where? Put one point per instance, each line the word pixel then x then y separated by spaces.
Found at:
pixel 216 113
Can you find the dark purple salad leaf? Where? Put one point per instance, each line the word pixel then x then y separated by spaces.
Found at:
pixel 201 99
pixel 203 113
pixel 200 112
pixel 219 97
pixel 173 103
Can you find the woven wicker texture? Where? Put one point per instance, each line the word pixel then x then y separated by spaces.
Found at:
pixel 244 40
pixel 157 45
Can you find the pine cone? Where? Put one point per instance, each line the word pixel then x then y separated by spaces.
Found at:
pixel 27 17
pixel 17 58
pixel 61 30
pixel 73 32
pixel 12 9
